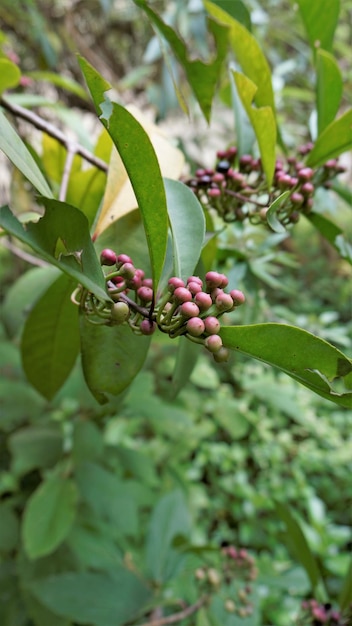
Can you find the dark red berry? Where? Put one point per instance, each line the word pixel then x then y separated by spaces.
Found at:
pixel 108 257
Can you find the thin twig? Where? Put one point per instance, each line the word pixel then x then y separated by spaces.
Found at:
pixel 177 617
pixel 50 129
pixel 239 196
pixel 29 258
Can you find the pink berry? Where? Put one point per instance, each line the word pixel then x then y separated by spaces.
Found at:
pixel 181 294
pixel 174 283
pixel 296 198
pixel 145 294
pixel 124 258
pixel 213 343
pixel 212 325
pixel 194 288
pixel 306 173
pixel 147 282
pixel 117 280
pixel 237 296
pixel 214 192
pixel 203 300
pixel 147 327
pixel 213 279
pixel 307 189
pixel 224 302
pixel 108 257
pixel 224 281
pixel 189 309
pixel 195 279
pixel 195 326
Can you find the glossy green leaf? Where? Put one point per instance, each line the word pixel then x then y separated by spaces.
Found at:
pixel 48 516
pixel 237 9
pixel 333 234
pixel 10 75
pixel 335 139
pixel 263 122
pixel 35 447
pixel 345 598
pixel 110 598
pixel 329 89
pixel 272 220
pixel 187 227
pixel 169 519
pixel 135 149
pixel 249 55
pixel 111 357
pixel 298 543
pixel 202 77
pixel 50 339
pixel 14 148
pixel 320 20
pixel 308 359
pixel 62 238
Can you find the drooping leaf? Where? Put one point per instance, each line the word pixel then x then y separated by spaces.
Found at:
pixel 109 598
pixel 320 20
pixel 50 339
pixel 202 77
pixel 263 122
pixel 14 148
pixel 9 75
pixel 272 220
pixel 298 543
pixel 135 149
pixel 187 227
pixel 333 234
pixel 62 238
pixel 111 357
pixel 169 519
pixel 248 54
pixel 335 139
pixel 308 359
pixel 329 89
pixel 48 516
pixel 119 198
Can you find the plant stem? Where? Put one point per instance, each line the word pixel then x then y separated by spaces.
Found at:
pixel 177 617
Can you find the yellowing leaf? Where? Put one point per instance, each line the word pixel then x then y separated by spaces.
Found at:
pixel 119 198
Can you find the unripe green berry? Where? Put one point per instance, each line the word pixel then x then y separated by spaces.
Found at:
pixel 120 312
pixel 214 577
pixel 230 606
pixel 222 355
pixel 127 270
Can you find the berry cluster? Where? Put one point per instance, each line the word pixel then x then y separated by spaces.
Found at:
pixel 237 565
pixel 316 614
pixel 236 188
pixel 190 308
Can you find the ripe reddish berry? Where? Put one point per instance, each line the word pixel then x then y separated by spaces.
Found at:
pixel 147 282
pixel 174 283
pixel 181 294
pixel 306 173
pixel 108 257
pixel 213 279
pixel 224 302
pixel 194 288
pixel 213 343
pixel 203 300
pixel 145 294
pixel 296 198
pixel 195 279
pixel 123 258
pixel 237 296
pixel 195 326
pixel 189 309
pixel 212 325
pixel 214 192
pixel 147 327
pixel 307 189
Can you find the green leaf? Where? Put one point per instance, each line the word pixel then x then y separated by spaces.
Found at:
pixel 110 598
pixel 170 518
pixel 111 357
pixel 249 55
pixel 333 234
pixel 87 442
pixel 202 77
pixel 237 10
pixel 272 220
pixel 335 139
pixel 136 150
pixel 345 598
pixel 14 148
pixel 320 20
pixel 308 359
pixel 35 447
pixel 62 238
pixel 299 544
pixel 94 548
pixel 187 226
pixel 263 122
pixel 9 529
pixel 48 516
pixel 64 82
pixel 50 339
pixel 186 359
pixel 10 75
pixel 329 89
pixel 108 496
